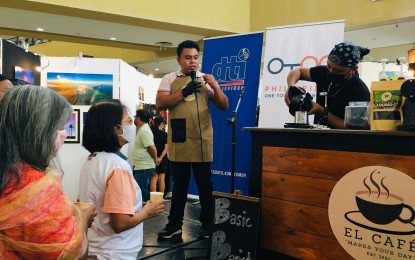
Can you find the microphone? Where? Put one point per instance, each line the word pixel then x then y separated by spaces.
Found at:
pixel 192 75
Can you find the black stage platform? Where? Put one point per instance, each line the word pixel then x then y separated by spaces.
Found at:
pixel 188 245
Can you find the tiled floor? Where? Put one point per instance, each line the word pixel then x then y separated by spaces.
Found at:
pixel 187 246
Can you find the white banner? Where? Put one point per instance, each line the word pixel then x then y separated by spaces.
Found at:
pixel 286 48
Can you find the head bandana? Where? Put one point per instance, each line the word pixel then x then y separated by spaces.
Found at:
pixel 346 54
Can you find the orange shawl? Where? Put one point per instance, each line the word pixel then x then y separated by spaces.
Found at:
pixel 39 222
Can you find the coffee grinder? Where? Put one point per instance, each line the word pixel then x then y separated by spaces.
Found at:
pixel 300 104
pixel 408 108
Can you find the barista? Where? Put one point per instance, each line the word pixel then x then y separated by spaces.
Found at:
pixel 339 80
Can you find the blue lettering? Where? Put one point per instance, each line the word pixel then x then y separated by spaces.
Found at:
pixel 227 71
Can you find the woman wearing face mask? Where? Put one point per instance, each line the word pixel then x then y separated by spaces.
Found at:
pixel 107 181
pixel 37 220
pixel 338 79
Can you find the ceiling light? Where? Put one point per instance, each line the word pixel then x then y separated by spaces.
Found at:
pixel 113 38
pixel 164 45
pixel 39 29
pixel 157 69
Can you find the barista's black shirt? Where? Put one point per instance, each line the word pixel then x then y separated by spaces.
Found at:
pixel 338 96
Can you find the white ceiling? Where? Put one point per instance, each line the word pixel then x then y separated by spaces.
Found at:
pixel 384 35
pixel 81 27
pixel 394 34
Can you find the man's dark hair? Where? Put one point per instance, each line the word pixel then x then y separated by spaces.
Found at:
pixel 15 82
pixel 187 44
pixel 143 114
pixel 3 77
pixel 98 135
pixel 19 82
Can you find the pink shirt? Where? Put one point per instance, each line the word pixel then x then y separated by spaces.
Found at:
pixel 165 84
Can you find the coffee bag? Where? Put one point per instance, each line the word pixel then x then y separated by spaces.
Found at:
pixel 385 105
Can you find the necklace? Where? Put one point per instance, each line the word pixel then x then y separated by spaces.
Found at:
pixel 336 91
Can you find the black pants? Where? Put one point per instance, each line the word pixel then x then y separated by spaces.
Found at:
pixel 181 179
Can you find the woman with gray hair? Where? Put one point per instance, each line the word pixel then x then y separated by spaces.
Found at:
pixel 37 220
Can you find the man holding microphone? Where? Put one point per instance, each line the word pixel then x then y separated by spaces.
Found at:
pixel 187 93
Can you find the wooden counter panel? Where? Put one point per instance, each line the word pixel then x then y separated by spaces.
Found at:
pixel 295 170
pixel 296 216
pixel 305 190
pixel 300 244
pixel 328 164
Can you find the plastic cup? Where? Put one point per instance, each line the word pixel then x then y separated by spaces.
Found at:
pixel 83 206
pixel 156 196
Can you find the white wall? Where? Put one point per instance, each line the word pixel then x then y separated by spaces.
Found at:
pixel 151 91
pixel 130 81
pixel 125 87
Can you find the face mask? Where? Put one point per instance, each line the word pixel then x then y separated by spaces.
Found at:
pixel 126 134
pixel 60 139
pixel 336 77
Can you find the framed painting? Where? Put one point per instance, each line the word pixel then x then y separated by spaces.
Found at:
pixel 72 128
pixel 141 93
pixel 80 88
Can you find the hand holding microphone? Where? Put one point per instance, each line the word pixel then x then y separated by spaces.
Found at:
pixel 193 86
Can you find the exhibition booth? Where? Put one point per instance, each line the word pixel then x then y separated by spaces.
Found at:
pixel 83 81
pixel 314 193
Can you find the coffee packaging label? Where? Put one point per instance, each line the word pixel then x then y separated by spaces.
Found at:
pixel 386 101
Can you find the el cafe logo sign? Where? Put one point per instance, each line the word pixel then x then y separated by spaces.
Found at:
pixel 371 213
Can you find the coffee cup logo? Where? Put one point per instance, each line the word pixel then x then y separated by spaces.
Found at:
pixel 382 211
pixel 371 213
pixel 381 207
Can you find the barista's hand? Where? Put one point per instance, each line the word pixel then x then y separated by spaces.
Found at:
pixel 286 99
pixel 191 88
pixel 315 108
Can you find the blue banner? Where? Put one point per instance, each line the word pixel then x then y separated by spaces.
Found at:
pixel 235 63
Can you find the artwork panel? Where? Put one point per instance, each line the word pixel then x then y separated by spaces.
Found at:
pixel 81 88
pixel 72 128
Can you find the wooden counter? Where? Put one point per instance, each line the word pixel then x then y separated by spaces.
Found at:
pixel 293 171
